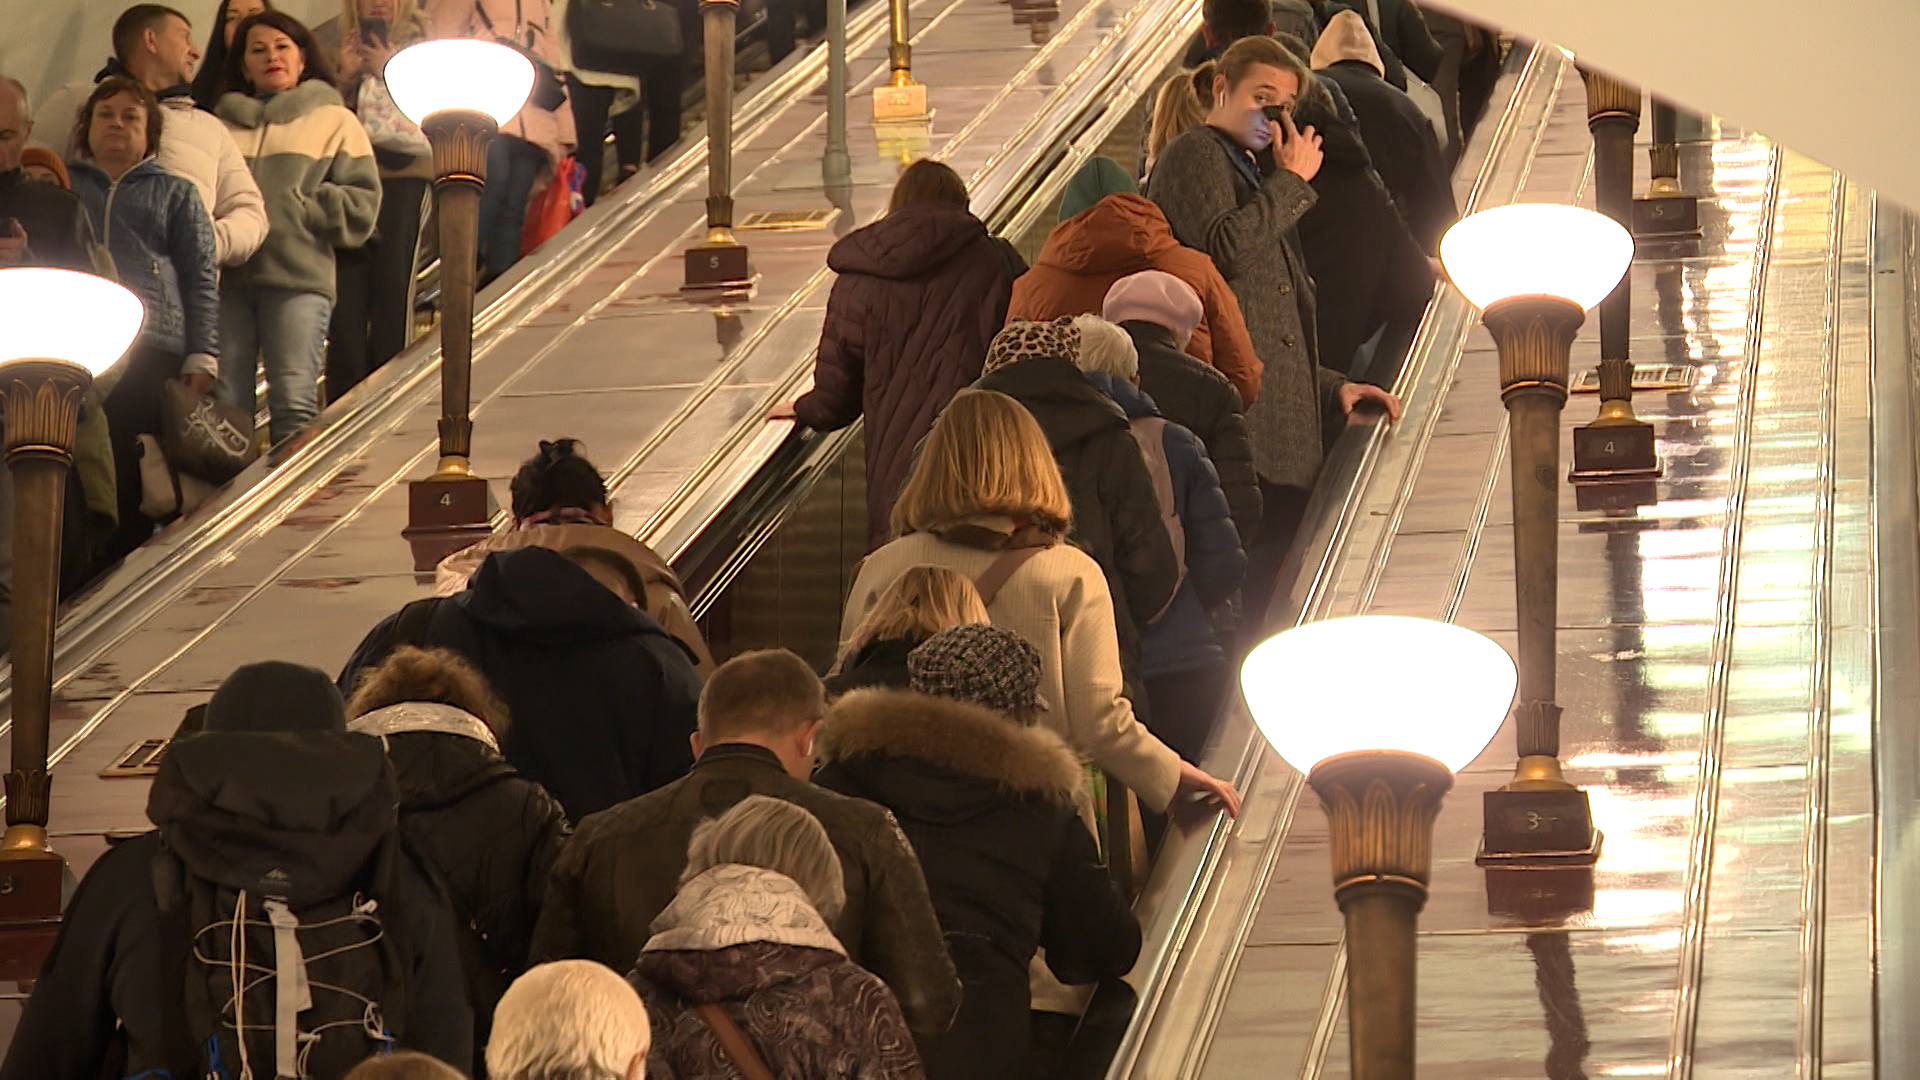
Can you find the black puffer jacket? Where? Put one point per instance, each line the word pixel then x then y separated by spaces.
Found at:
pixel 1116 518
pixel 487 834
pixel 989 808
pixel 602 697
pixel 1369 270
pixel 921 293
pixel 311 814
pixel 1200 399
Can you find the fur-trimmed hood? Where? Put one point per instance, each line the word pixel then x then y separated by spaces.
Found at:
pixel 955 736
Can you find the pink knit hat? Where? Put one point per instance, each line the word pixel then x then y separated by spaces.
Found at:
pixel 1157 297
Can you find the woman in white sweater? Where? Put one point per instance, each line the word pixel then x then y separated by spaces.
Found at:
pixel 985 499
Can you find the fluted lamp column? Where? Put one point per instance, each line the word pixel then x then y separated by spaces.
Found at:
pixel 58 330
pixel 459 91
pixel 1381 762
pixel 1534 269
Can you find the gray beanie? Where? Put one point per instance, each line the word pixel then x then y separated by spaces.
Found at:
pixel 275 695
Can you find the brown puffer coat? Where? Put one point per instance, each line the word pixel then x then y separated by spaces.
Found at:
pixel 1125 234
pixel 921 293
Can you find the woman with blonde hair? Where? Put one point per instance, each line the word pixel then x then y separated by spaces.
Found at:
pixel 742 965
pixel 985 500
pixel 919 604
pixel 488 835
pixel 1176 108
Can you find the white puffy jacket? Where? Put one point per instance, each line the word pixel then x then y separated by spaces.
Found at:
pixel 194 146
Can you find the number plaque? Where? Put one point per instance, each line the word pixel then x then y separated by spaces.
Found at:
pixel 1550 827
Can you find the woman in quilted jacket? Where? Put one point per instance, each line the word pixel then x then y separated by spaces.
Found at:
pixel 921 293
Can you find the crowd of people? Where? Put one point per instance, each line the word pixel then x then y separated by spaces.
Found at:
pixel 532 829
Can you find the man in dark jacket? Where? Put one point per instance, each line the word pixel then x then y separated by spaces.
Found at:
pixel 1397 135
pixel 602 697
pixel 40 224
pixel 274 800
pixel 1115 516
pixel 920 294
pixel 1158 311
pixel 758 718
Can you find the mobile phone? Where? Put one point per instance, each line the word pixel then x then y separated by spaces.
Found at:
pixel 1275 114
pixel 373 31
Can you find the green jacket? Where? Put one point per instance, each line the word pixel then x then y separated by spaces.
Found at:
pixel 623 866
pixel 315 167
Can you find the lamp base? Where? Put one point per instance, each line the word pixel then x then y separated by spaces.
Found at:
pixel 1538 826
pixel 900 101
pixel 1614 449
pixel 447 512
pixel 718 266
pixel 32 881
pixel 1666 217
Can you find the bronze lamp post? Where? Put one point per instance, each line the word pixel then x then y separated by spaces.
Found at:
pixel 719 265
pixel 900 97
pixel 1534 269
pixel 1380 762
pixel 58 330
pixel 459 91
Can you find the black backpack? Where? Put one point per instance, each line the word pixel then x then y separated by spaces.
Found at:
pixel 225 986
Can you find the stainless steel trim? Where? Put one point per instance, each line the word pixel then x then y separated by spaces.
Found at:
pixel 1706 809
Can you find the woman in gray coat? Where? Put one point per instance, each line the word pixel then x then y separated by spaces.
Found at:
pixel 1235 187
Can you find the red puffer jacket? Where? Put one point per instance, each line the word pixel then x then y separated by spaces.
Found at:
pixel 921 293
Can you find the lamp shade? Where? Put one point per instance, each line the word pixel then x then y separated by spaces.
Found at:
pixel 64 315
pixel 1536 249
pixel 1324 688
pixel 459 73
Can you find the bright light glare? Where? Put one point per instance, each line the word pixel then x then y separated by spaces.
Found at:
pixel 1536 249
pixel 1316 690
pixel 64 315
pixel 459 73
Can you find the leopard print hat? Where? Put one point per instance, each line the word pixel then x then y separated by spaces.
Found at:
pixel 1023 340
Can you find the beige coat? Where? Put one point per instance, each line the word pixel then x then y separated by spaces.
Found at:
pixel 1058 601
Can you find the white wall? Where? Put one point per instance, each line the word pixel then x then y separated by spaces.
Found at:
pixel 1837 82
pixel 49 43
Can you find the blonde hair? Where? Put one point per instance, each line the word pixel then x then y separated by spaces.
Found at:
pixel 1177 108
pixel 408 25
pixel 1106 348
pixel 919 604
pixel 772 834
pixel 573 1018
pixel 985 454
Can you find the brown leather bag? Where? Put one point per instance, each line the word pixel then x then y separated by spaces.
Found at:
pixel 739 1049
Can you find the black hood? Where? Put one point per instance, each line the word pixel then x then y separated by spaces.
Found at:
pixel 1070 409
pixel 910 242
pixel 1339 140
pixel 288 814
pixel 538 595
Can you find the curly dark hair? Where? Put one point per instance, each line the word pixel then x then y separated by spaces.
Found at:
pixel 439 676
pixel 314 63
pixel 110 87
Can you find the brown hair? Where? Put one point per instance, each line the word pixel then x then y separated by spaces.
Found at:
pixel 435 675
pixel 985 454
pixel 765 692
pixel 113 86
pixel 931 181
pixel 314 63
pixel 404 1065
pixel 1242 55
pixel 919 604
pixel 1180 106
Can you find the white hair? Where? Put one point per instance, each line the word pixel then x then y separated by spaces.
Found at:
pixel 776 835
pixel 573 1019
pixel 1106 348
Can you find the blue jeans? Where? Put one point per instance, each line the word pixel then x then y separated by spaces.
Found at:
pixel 512 167
pixel 287 332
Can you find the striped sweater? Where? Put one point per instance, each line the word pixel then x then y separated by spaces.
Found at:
pixel 314 164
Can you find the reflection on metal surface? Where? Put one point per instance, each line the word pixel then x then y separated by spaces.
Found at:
pixel 1720 647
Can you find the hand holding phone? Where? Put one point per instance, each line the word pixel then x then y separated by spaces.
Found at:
pixel 13 243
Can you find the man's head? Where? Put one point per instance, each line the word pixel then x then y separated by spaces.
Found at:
pixel 572 1018
pixel 1255 73
pixel 1227 21
pixel 16 122
pixel 769 698
pixel 155 43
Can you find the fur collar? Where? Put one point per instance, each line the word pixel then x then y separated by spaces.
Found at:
pixel 248 111
pixel 955 735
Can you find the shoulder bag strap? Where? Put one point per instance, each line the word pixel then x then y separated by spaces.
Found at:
pixel 1002 568
pixel 739 1049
